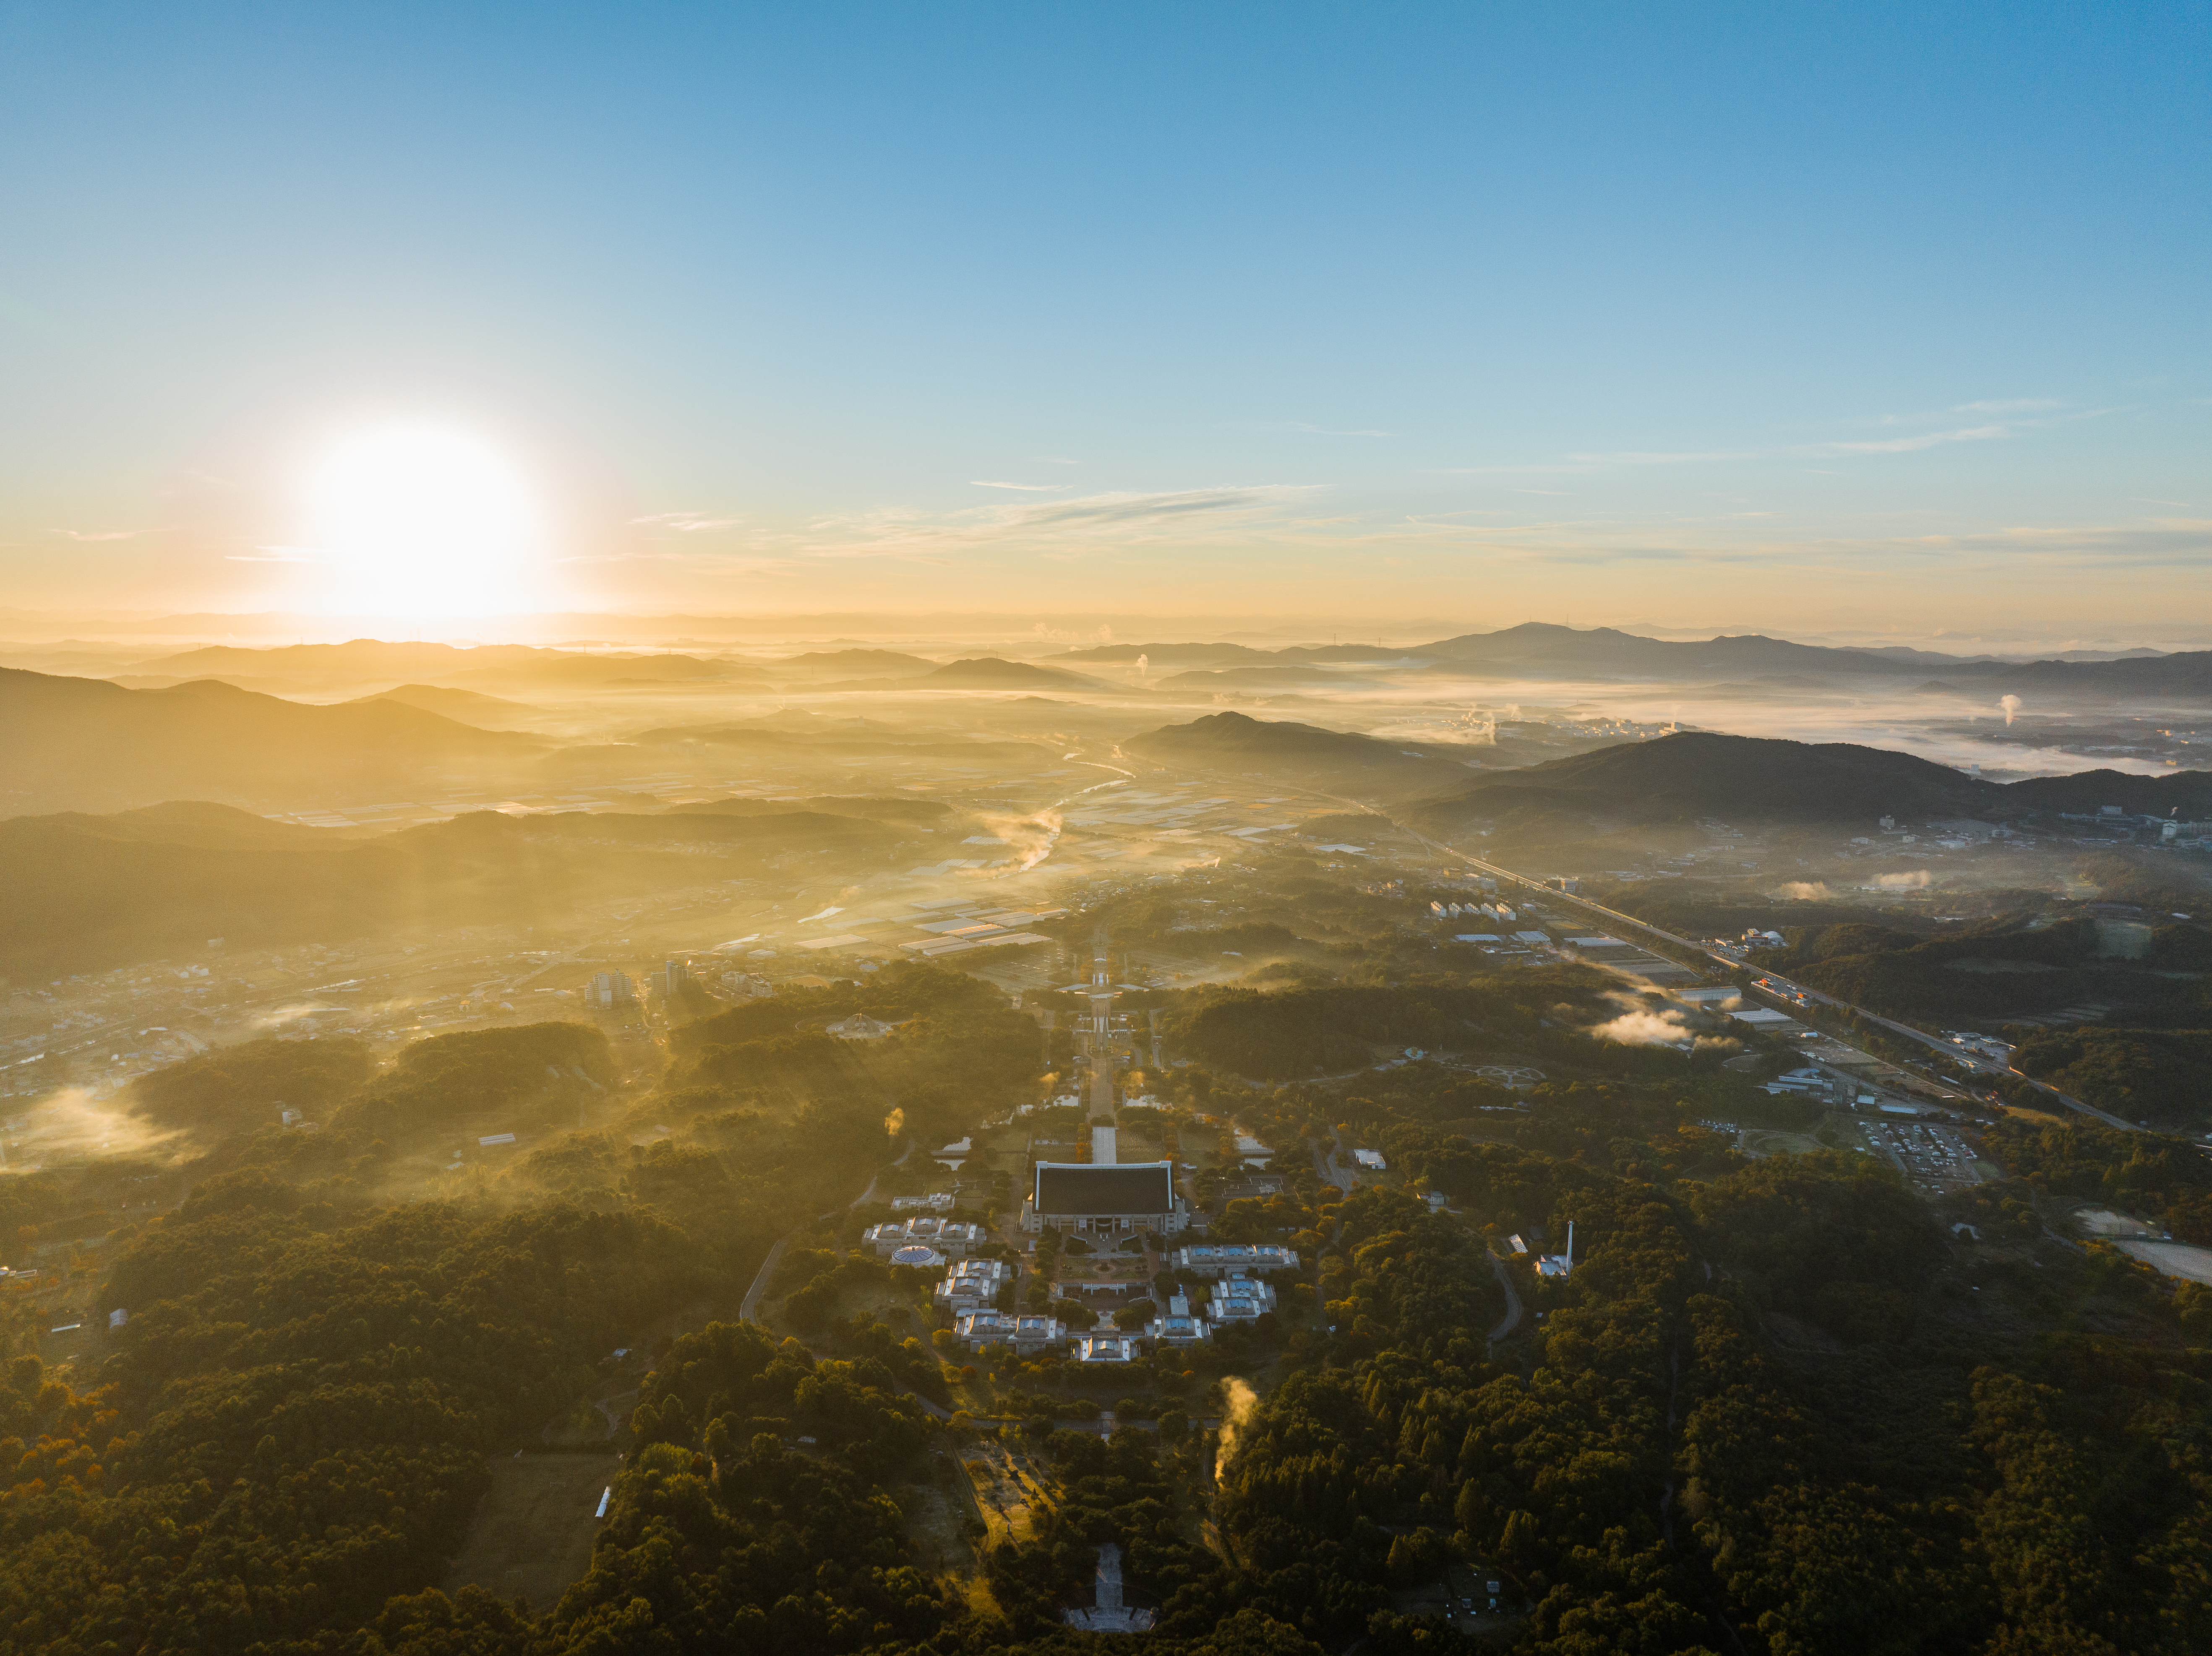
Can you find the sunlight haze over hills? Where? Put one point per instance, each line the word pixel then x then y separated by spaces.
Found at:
pixel 1080 829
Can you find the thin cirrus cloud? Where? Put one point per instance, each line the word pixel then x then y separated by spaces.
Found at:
pixel 685 523
pixel 1027 489
pixel 107 534
pixel 1647 457
pixel 1092 522
pixel 1923 439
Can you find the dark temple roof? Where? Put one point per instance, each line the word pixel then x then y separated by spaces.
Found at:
pixel 1141 1187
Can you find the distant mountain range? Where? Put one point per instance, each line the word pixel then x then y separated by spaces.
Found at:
pixel 1539 650
pixel 1535 650
pixel 1684 776
pixel 1697 774
pixel 83 742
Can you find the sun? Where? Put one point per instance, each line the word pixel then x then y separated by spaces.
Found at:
pixel 424 520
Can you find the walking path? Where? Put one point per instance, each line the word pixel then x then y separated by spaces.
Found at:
pixel 1109 1614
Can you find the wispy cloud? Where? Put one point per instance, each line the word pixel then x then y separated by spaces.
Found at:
pixel 1146 508
pixel 280 554
pixel 2010 405
pixel 108 534
pixel 1027 489
pixel 1644 458
pixel 1055 529
pixel 685 523
pixel 1924 440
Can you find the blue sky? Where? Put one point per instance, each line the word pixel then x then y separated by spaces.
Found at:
pixel 1744 314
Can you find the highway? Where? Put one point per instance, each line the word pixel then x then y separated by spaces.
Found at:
pixel 1974 1061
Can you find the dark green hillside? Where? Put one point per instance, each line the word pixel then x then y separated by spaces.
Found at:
pixel 82 740
pixel 79 894
pixel 464 706
pixel 238 1089
pixel 989 673
pixel 1304 754
pixel 1695 775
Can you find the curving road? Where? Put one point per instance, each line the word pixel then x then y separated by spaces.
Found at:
pixel 1512 1301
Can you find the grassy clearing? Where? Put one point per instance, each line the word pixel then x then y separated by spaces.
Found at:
pixel 1009 1489
pixel 532 1532
pixel 937 1519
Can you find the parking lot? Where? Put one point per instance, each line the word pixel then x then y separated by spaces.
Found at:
pixel 1937 1160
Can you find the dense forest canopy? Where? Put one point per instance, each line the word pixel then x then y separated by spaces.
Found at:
pixel 1780 1403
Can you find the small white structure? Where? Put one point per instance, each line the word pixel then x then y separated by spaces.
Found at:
pixel 1238 1300
pixel 1371 1159
pixel 1106 1347
pixel 1559 1265
pixel 972 1284
pixel 1228 1258
pixel 920 1257
pixel 977 1330
pixel 936 1202
pixel 1761 1018
pixel 954 1238
pixel 1178 1327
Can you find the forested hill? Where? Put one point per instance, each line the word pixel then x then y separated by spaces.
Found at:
pixel 1779 1407
pixel 81 893
pixel 1693 774
pixel 1236 744
pixel 83 741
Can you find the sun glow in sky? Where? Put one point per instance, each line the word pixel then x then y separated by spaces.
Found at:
pixel 420 520
pixel 1853 311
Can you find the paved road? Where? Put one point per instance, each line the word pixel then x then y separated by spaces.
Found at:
pixel 749 1310
pixel 1512 1301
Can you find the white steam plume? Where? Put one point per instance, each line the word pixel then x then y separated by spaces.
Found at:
pixel 1913 882
pixel 1240 1400
pixel 1477 725
pixel 1643 1028
pixel 74 1123
pixel 1032 837
pixel 1803 891
pixel 2011 706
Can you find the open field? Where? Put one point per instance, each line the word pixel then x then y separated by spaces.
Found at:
pixel 532 1533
